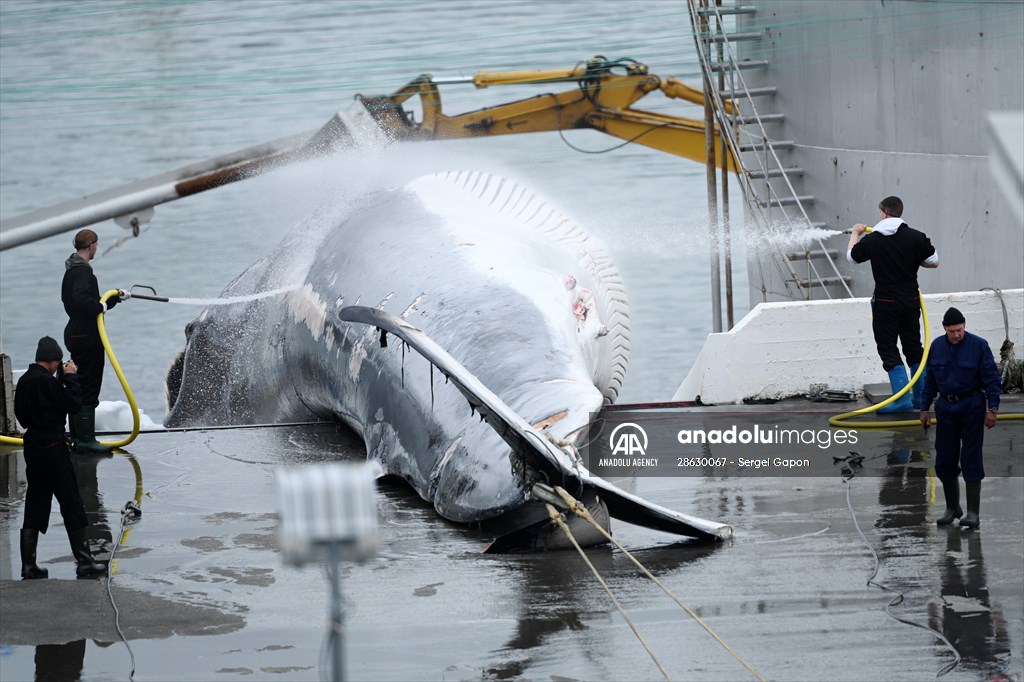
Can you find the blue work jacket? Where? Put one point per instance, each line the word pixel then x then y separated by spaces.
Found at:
pixel 960 370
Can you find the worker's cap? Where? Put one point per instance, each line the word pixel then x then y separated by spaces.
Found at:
pixel 48 350
pixel 952 316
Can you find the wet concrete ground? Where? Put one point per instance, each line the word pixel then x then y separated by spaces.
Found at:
pixel 203 595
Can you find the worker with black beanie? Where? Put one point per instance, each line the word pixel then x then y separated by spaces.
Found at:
pixel 963 381
pixel 42 404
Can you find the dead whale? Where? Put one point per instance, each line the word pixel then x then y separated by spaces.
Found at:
pixel 463 326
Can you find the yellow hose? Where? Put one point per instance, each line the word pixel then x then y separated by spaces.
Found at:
pixel 841 420
pixel 120 375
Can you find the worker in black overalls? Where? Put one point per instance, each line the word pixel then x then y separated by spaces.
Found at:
pixel 42 403
pixel 962 378
pixel 80 293
pixel 896 251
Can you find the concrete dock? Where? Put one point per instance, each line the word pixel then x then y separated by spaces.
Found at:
pixel 202 593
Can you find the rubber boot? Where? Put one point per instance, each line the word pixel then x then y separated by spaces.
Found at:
pixel 73 430
pixel 87 566
pixel 897 380
pixel 85 433
pixel 29 570
pixel 951 488
pixel 972 518
pixel 915 390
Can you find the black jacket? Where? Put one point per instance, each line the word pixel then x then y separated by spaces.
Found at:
pixel 42 404
pixel 894 260
pixel 80 293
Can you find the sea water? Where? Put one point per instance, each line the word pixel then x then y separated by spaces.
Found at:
pixel 96 99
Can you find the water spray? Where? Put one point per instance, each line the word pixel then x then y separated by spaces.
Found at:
pixel 130 293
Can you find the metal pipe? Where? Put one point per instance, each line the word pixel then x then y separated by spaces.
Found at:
pixel 709 138
pixel 148 192
pixel 334 572
pixel 726 232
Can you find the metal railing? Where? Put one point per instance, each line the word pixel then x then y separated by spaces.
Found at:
pixel 769 166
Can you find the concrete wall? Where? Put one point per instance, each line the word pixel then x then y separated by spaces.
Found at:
pixel 780 349
pixel 892 98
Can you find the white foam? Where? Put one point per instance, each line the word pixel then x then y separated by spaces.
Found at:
pixel 116 415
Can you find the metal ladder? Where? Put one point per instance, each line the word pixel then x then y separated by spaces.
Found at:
pixel 765 178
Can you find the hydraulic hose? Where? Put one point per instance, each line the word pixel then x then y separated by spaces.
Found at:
pixel 842 420
pixel 120 375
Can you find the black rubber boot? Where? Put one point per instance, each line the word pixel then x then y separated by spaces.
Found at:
pixel 73 430
pixel 29 570
pixel 972 519
pixel 85 433
pixel 87 566
pixel 951 489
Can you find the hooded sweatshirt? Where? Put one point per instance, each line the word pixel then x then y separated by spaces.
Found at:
pixel 80 293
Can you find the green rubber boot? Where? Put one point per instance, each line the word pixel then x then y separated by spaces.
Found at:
pixel 84 430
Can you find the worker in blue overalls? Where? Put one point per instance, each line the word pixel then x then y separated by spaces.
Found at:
pixel 963 381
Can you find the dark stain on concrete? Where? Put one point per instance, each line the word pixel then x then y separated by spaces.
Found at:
pixel 85 613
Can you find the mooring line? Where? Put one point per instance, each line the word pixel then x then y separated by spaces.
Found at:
pixel 556 516
pixel 581 510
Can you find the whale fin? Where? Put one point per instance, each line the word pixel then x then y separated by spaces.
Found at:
pixel 524 439
pixel 633 509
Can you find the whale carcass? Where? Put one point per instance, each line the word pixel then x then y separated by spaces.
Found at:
pixel 463 326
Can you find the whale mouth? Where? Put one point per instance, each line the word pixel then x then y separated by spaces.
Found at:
pixel 536 455
pixel 530 529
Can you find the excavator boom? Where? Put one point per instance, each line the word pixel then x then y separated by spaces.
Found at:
pixel 602 99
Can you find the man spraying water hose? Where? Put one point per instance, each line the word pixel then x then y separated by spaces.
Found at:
pixel 896 251
pixel 80 294
pixel 961 377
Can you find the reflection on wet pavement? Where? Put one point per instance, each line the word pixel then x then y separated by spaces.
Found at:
pixel 202 590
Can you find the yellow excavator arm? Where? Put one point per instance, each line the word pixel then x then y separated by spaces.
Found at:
pixel 603 100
